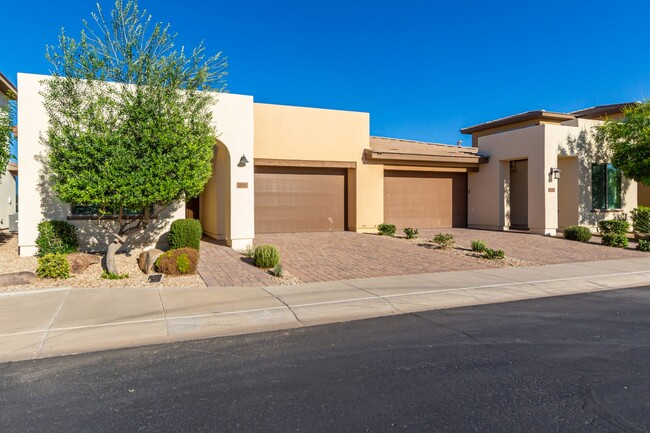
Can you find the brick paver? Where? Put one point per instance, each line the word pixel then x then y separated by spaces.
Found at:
pixel 313 257
pixel 221 266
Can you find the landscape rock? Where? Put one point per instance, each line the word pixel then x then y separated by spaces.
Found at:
pixel 80 261
pixel 17 279
pixel 148 258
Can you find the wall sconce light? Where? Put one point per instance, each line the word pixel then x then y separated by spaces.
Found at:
pixel 242 161
pixel 554 173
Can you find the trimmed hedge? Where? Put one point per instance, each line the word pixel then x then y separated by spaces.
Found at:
pixel 641 219
pixel 56 237
pixel 185 233
pixel 53 266
pixel 266 256
pixel 577 233
pixel 180 261
pixel 386 229
pixel 643 245
pixel 617 240
pixel 620 227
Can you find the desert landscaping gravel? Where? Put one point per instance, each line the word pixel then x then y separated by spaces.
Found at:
pixel 11 262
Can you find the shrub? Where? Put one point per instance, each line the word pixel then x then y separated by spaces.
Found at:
pixel 56 237
pixel 411 233
pixel 577 233
pixel 386 229
pixel 277 271
pixel 444 240
pixel 179 261
pixel 493 254
pixel 109 276
pixel 185 233
pixel 266 256
pixel 619 227
pixel 617 240
pixel 54 265
pixel 643 245
pixel 478 246
pixel 641 219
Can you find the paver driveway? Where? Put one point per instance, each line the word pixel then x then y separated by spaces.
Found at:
pixel 345 255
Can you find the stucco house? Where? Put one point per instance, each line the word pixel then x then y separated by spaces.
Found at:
pixel 8 179
pixel 546 172
pixel 276 169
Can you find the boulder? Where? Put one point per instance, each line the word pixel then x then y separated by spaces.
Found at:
pixel 80 261
pixel 148 258
pixel 17 279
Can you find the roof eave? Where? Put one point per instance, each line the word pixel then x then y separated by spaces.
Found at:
pixel 531 115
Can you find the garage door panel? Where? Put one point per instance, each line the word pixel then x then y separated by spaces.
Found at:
pixel 425 200
pixel 299 200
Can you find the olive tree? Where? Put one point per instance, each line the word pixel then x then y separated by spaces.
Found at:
pixel 7 119
pixel 130 124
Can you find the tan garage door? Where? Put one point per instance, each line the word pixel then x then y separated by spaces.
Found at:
pixel 299 199
pixel 425 199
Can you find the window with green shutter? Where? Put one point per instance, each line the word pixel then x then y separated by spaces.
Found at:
pixel 605 187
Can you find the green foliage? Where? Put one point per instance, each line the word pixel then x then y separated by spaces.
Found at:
pixel 110 276
pixel 641 219
pixel 56 237
pixel 444 240
pixel 266 256
pixel 250 251
pixel 185 233
pixel 130 116
pixel 411 233
pixel 643 245
pixel 615 226
pixel 577 233
pixel 277 271
pixel 629 140
pixel 178 262
pixel 386 229
pixel 54 265
pixel 7 121
pixel 479 246
pixel 491 254
pixel 617 240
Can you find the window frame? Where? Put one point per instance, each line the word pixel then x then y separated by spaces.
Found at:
pixel 600 201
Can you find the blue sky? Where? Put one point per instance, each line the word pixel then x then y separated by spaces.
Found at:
pixel 422 69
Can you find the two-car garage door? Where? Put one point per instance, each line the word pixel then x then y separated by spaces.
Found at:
pixel 421 199
pixel 292 199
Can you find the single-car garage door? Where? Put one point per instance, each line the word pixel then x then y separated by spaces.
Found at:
pixel 421 199
pixel 299 199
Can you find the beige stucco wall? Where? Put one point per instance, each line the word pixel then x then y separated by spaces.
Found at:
pixel 310 134
pixel 541 145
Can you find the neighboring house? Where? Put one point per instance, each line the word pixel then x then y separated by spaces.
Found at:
pixel 546 171
pixel 8 179
pixel 277 169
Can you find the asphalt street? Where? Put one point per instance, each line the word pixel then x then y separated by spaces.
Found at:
pixel 566 364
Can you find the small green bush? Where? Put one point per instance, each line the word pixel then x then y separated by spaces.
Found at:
pixel 619 227
pixel 641 219
pixel 643 245
pixel 479 246
pixel 277 271
pixel 386 229
pixel 617 240
pixel 56 237
pixel 177 262
pixel 411 233
pixel 185 233
pixel 577 233
pixel 491 254
pixel 108 276
pixel 266 256
pixel 53 265
pixel 444 240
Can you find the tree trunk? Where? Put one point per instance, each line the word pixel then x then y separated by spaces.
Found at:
pixel 111 264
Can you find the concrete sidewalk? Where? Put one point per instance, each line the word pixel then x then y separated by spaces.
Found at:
pixel 36 324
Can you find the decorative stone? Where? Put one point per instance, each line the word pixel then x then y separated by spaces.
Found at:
pixel 17 279
pixel 642 236
pixel 147 259
pixel 80 261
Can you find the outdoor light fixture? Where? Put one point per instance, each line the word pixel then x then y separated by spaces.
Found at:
pixel 554 173
pixel 242 161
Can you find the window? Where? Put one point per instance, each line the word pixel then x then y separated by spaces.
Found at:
pixel 93 210
pixel 605 187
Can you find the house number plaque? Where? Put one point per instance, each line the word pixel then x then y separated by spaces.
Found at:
pixel 242 184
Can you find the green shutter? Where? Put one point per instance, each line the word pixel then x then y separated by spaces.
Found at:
pixel 598 186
